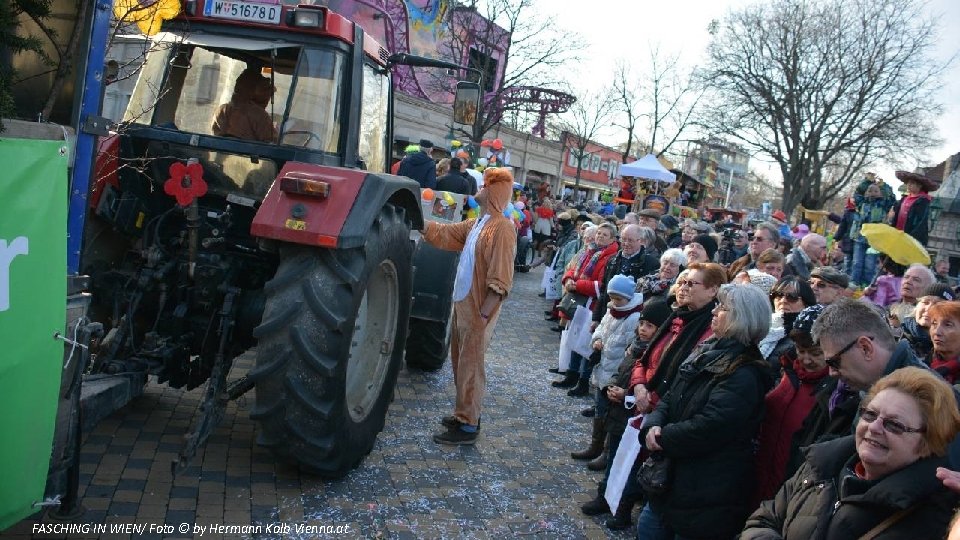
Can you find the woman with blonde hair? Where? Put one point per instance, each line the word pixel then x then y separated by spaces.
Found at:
pixel 443 167
pixel 880 482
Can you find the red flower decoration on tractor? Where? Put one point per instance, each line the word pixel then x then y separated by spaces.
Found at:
pixel 185 183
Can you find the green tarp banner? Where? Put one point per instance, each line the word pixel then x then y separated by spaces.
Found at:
pixel 33 270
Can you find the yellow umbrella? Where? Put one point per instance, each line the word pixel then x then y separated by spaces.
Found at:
pixel 896 244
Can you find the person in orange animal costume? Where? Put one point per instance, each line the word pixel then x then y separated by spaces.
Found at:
pixel 484 278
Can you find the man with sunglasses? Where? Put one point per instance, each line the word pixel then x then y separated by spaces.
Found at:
pixel 764 237
pixel 858 345
pixel 828 284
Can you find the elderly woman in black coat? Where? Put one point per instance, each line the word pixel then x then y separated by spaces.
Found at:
pixel 880 482
pixel 707 422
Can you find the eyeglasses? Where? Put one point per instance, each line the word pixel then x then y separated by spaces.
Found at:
pixel 759 239
pixel 834 361
pixel 889 425
pixel 822 284
pixel 688 283
pixel 789 297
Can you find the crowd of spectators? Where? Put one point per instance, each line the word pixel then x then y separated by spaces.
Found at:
pixel 802 389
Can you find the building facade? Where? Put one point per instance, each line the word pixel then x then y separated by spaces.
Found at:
pixel 722 167
pixel 599 169
pixel 944 241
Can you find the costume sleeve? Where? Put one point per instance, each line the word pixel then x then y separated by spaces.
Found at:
pixel 500 249
pixel 448 236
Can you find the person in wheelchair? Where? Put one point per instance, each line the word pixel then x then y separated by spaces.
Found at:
pixel 245 115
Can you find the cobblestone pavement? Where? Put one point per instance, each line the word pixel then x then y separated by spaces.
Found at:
pixel 518 481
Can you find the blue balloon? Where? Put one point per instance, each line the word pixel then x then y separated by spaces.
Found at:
pixel 472 203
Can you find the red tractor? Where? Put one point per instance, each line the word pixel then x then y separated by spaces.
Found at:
pixel 202 242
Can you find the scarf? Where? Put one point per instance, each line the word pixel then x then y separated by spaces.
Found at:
pixel 623 313
pixel 840 394
pixel 905 208
pixel 949 368
pixel 597 255
pixel 691 327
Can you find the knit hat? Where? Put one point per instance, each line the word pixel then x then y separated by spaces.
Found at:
pixel 656 312
pixel 806 318
pixel 622 286
pixel 941 290
pixel 708 243
pixel 761 279
pixel 831 275
pixel 424 143
pixel 779 215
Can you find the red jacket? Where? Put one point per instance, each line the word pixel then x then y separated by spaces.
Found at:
pixel 590 279
pixel 786 407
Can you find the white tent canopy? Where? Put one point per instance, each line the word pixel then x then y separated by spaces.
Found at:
pixel 649 168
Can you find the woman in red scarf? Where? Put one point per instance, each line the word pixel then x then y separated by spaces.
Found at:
pixel 945 334
pixel 912 213
pixel 804 373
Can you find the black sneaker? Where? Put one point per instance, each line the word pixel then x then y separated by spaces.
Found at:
pixel 454 436
pixel 451 422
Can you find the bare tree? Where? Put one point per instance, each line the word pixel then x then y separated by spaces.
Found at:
pixel 580 126
pixel 530 42
pixel 672 97
pixel 824 84
pixel 666 101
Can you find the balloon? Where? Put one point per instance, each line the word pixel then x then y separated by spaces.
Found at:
pixel 519 205
pixel 479 168
pixel 517 216
pixel 427 194
pixel 497 144
pixel 448 198
pixel 456 144
pixel 472 213
pixel 472 203
pixel 482 162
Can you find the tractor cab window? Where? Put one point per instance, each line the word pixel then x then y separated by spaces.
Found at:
pixel 266 92
pixel 374 107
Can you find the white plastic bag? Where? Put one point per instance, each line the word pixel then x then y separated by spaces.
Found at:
pixel 580 334
pixel 623 461
pixel 563 360
pixel 547 279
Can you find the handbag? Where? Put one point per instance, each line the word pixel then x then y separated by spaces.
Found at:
pixel 570 301
pixel 655 474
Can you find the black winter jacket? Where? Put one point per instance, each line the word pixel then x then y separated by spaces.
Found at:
pixel 918 219
pixel 826 500
pixel 639 265
pixel 454 182
pixel 420 167
pixel 709 420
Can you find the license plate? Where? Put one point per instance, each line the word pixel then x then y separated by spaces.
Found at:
pixel 243 11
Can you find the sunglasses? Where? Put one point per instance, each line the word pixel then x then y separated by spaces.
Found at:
pixel 789 297
pixel 834 361
pixel 889 425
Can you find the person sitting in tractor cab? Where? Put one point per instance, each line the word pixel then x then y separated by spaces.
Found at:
pixel 245 115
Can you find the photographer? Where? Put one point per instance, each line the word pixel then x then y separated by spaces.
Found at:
pixel 729 236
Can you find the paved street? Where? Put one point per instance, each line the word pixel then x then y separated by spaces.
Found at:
pixel 517 481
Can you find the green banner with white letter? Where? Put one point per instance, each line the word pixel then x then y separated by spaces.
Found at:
pixel 33 270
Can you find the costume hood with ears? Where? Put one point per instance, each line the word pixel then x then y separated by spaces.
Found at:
pixel 498 183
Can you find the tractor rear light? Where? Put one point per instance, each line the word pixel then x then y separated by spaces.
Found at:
pixel 309 18
pixel 305 186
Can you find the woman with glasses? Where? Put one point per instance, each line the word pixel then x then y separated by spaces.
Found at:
pixel 707 422
pixel 879 482
pixel 789 297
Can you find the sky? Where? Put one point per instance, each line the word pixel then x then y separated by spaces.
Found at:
pixel 625 29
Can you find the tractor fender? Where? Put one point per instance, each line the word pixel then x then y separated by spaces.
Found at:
pixel 342 219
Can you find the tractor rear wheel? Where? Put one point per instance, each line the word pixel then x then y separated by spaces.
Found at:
pixel 428 343
pixel 330 347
